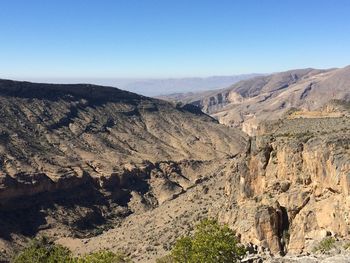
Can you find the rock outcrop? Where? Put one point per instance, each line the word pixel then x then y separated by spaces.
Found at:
pixel 296 183
pixel 100 168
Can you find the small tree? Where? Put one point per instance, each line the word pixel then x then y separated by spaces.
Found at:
pixel 104 256
pixel 183 251
pixel 211 243
pixel 43 250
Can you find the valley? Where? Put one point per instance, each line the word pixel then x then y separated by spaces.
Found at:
pixel 96 167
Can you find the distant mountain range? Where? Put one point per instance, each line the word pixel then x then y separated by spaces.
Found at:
pixel 246 103
pixel 155 87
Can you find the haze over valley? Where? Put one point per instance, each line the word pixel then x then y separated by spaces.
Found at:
pixel 157 86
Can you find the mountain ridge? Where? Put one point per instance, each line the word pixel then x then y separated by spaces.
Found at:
pixel 157 86
pixel 101 168
pixel 248 102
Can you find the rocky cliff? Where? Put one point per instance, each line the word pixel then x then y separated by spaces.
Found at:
pixel 100 168
pixel 291 189
pixel 284 193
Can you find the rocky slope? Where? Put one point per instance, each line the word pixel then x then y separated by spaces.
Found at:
pixel 97 167
pixel 291 190
pixel 73 157
pixel 283 194
pixel 249 102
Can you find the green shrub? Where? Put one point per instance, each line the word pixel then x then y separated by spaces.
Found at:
pixel 166 259
pixel 43 250
pixel 325 245
pixel 104 256
pixel 211 243
pixel 346 246
pixel 183 250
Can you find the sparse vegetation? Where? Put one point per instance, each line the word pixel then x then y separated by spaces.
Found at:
pixel 103 256
pixel 325 245
pixel 211 243
pixel 291 111
pixel 44 250
pixel 346 246
pixel 165 259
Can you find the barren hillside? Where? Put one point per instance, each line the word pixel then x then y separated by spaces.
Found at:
pixel 284 193
pixel 248 102
pixel 100 168
pixel 73 157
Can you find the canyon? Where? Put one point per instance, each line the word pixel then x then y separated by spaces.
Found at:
pixel 101 168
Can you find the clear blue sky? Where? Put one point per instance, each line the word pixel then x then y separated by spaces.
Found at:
pixel 170 38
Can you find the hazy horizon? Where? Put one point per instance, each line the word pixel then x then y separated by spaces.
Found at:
pixel 154 86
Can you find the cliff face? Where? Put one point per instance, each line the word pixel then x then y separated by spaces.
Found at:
pixel 292 188
pixel 97 167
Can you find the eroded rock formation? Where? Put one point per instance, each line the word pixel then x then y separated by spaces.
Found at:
pixel 296 184
pixel 97 167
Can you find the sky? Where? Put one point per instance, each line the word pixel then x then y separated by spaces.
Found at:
pixel 170 38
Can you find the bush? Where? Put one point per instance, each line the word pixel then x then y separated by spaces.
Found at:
pixel 325 245
pixel 346 246
pixel 43 250
pixel 211 243
pixel 104 257
pixel 183 250
pixel 166 259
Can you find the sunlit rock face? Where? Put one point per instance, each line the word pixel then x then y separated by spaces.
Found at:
pixel 296 183
pixel 250 102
